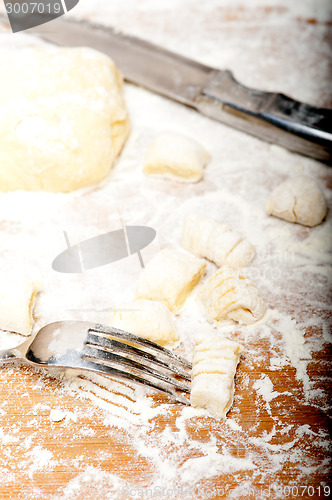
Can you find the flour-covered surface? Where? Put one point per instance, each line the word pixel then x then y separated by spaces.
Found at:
pixel 70 437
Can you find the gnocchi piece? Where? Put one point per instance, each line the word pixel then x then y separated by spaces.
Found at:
pixel 298 200
pixel 170 277
pixel 17 298
pixel 214 368
pixel 228 295
pixel 208 238
pixel 175 156
pixel 149 319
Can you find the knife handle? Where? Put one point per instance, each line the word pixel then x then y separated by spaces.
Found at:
pixel 270 116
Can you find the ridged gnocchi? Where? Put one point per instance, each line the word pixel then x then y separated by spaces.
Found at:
pixel 228 295
pixel 205 237
pixel 214 367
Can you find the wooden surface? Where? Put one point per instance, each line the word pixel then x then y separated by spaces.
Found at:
pixel 278 444
pixel 26 399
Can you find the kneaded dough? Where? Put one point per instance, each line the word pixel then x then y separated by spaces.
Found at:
pixel 214 367
pixel 149 319
pixel 175 156
pixel 63 118
pixel 228 295
pixel 170 277
pixel 17 297
pixel 298 200
pixel 217 242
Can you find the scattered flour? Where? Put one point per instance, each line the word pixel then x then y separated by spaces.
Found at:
pixel 57 415
pixel 264 388
pixel 37 459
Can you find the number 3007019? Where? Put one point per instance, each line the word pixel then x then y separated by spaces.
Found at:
pixel 33 8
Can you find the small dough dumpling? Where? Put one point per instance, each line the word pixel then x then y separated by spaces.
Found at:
pixel 17 298
pixel 217 242
pixel 298 200
pixel 170 277
pixel 176 157
pixel 214 367
pixel 228 295
pixel 149 319
pixel 63 118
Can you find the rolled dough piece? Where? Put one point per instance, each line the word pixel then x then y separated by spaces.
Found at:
pixel 217 242
pixel 17 297
pixel 176 157
pixel 63 118
pixel 214 368
pixel 149 319
pixel 298 200
pixel 228 295
pixel 170 277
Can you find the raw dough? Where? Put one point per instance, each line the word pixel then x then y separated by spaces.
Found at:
pixel 228 295
pixel 298 200
pixel 63 118
pixel 176 157
pixel 208 238
pixel 17 298
pixel 149 319
pixel 214 366
pixel 170 277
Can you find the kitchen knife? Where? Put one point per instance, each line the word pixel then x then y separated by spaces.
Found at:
pixel 271 116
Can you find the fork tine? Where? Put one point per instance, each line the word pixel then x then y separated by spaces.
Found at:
pixel 130 337
pixel 107 346
pixel 113 345
pixel 95 366
pixel 93 352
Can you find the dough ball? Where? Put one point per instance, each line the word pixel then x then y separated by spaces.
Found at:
pixel 170 277
pixel 214 368
pixel 63 118
pixel 298 200
pixel 176 157
pixel 217 242
pixel 17 298
pixel 228 295
pixel 149 319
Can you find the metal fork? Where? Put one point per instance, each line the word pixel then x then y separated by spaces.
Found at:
pixel 107 351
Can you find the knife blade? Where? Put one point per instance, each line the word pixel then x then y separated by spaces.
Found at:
pixel 270 116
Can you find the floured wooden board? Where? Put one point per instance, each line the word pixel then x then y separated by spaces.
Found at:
pixel 77 438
